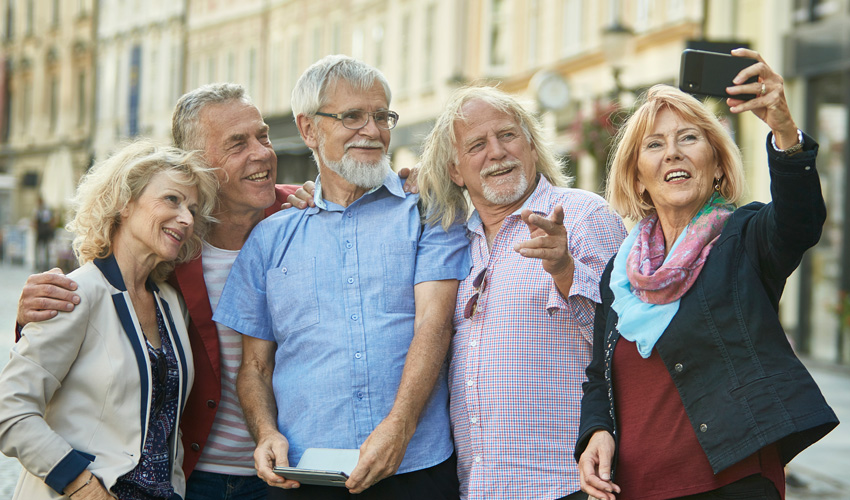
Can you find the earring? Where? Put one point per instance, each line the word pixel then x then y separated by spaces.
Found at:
pixel 717 185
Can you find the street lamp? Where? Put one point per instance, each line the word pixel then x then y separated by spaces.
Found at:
pixel 615 46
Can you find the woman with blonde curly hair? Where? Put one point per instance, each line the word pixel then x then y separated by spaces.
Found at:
pixel 90 401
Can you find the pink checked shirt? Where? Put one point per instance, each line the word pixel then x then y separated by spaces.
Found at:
pixel 518 364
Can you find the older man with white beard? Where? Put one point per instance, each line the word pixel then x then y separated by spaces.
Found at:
pixel 524 315
pixel 345 308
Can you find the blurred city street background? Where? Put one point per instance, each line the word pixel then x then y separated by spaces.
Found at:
pixel 822 471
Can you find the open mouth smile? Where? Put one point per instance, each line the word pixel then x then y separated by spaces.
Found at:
pixel 259 176
pixel 676 175
pixel 174 234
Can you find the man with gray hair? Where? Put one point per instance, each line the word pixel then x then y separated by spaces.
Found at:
pixel 524 315
pixel 345 307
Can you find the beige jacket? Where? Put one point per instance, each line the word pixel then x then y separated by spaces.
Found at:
pixel 77 390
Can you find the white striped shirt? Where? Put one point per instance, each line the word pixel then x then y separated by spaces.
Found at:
pixel 230 448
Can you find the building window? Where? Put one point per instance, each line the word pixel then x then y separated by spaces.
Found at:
pixel 336 36
pixel 26 107
pixel 357 47
pixel 378 40
pixel 572 27
pixel 55 18
pixel 406 55
pixel 30 16
pixel 430 29
pixel 252 71
pixel 54 104
pixel 10 19
pixel 533 27
pixel 294 67
pixel 498 36
pixel 81 98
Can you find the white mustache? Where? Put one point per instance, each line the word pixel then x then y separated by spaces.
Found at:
pixel 501 166
pixel 364 143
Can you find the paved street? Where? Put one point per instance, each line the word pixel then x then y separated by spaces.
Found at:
pixel 824 469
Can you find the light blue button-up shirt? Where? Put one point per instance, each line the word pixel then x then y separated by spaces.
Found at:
pixel 333 286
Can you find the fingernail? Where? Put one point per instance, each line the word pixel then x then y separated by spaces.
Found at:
pixel 75 300
pixel 68 307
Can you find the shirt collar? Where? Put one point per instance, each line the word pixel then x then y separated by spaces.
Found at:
pixel 392 182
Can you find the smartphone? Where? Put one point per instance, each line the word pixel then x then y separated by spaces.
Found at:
pixel 314 477
pixel 709 73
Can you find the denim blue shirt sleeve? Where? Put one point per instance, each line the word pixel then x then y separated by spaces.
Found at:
pixel 333 287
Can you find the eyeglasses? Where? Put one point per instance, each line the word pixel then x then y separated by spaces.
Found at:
pixel 355 119
pixel 479 283
pixel 160 370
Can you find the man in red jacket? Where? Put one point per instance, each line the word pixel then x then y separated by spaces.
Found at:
pixel 221 120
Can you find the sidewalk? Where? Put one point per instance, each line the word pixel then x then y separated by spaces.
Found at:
pixel 824 468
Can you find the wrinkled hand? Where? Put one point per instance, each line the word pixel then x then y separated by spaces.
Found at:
pixel 44 295
pixel 302 198
pixel 772 107
pixel 548 242
pixel 272 450
pixel 594 467
pixel 380 455
pixel 410 174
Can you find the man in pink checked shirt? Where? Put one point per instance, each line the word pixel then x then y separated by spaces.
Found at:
pixel 524 316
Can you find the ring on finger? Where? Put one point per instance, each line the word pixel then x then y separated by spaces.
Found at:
pixel 763 89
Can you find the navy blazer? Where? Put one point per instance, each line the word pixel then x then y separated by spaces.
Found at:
pixel 740 382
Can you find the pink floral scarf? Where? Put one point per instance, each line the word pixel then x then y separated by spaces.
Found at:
pixel 655 281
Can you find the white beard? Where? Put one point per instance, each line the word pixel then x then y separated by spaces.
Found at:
pixel 362 174
pixel 510 191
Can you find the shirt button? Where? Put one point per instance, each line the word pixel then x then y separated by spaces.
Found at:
pixel 678 367
pixel 283 270
pixel 359 395
pixel 211 403
pixel 354 317
pixel 473 343
pixel 358 355
pixel 348 244
pixel 350 215
pixel 474 420
pixel 350 280
pixel 196 447
pixel 470 383
pixel 478 458
pixel 703 427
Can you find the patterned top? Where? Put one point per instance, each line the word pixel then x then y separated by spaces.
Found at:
pixel 229 448
pixel 151 478
pixel 518 363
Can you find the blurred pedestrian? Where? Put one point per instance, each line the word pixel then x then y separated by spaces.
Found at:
pixel 44 225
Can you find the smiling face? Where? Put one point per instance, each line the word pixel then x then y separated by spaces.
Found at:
pixel 359 156
pixel 237 145
pixel 676 166
pixel 495 161
pixel 161 219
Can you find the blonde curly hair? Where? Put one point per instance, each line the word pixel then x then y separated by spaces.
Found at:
pixel 110 185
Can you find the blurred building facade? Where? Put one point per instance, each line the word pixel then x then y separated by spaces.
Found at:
pixel 580 63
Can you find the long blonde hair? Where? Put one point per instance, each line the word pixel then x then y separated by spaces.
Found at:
pixel 116 181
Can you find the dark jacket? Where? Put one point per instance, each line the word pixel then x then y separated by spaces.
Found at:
pixel 740 382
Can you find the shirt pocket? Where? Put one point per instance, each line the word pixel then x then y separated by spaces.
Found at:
pixel 293 295
pixel 399 261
